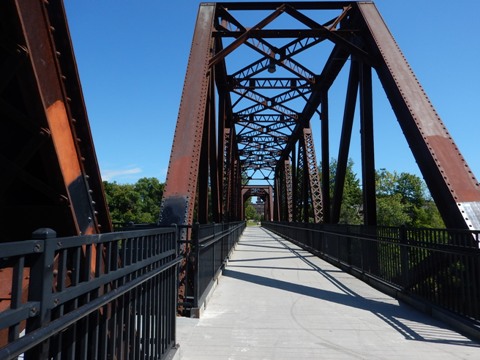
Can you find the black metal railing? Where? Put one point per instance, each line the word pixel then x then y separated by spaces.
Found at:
pixel 438 266
pixel 108 296
pixel 206 256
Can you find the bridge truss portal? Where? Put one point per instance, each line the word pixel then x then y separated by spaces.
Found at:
pixel 251 90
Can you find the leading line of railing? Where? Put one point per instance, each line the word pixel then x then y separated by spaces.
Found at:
pixel 108 296
pixel 437 267
pixel 212 245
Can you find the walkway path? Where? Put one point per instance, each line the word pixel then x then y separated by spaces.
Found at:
pixel 276 301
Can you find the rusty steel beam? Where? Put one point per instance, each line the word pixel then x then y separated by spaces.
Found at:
pixel 367 145
pixel 325 140
pixel 345 137
pixel 50 175
pixel 266 114
pixel 181 185
pixel 78 113
pixel 272 5
pixel 288 191
pixel 452 184
pixel 314 184
pixel 53 177
pixel 45 66
pixel 242 38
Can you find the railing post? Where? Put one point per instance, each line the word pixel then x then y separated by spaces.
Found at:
pixel 177 239
pixel 40 289
pixel 196 265
pixel 404 255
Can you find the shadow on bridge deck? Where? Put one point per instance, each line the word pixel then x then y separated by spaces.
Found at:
pixel 277 301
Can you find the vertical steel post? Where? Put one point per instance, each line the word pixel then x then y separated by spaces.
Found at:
pixel 367 140
pixel 215 169
pixel 345 138
pixel 325 158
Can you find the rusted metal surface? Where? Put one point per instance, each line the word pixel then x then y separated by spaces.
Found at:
pixel 451 182
pixel 53 178
pixel 181 185
pixel 367 145
pixel 316 195
pixel 268 99
pixel 345 137
pixel 288 191
pixel 77 111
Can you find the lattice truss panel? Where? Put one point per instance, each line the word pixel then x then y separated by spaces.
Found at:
pixel 267 80
pixel 269 85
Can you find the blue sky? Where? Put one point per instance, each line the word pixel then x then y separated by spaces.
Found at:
pixel 132 57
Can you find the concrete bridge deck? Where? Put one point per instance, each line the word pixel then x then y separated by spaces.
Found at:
pixel 277 301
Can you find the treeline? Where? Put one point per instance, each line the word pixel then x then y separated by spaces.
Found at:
pixel 402 199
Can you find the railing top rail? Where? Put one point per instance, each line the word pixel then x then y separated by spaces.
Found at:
pixel 373 233
pixel 21 248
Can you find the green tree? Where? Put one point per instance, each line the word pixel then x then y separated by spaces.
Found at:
pixel 138 203
pixel 391 211
pixel 403 199
pixel 122 201
pixel 350 209
pixel 150 192
pixel 250 211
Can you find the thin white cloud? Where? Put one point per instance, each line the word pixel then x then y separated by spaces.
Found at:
pixel 108 175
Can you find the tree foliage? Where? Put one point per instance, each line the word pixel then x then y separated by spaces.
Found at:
pixel 350 210
pixel 402 199
pixel 138 203
pixel 251 212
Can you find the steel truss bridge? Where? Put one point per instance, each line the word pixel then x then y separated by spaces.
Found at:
pixel 254 83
